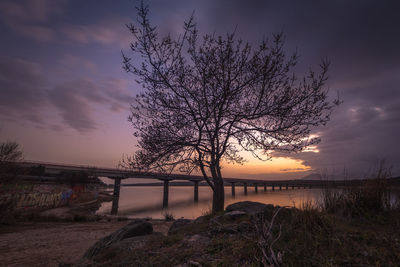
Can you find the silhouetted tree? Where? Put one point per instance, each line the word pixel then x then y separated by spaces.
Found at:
pixel 203 101
pixel 10 154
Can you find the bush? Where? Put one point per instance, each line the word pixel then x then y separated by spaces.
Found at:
pixel 372 196
pixel 168 216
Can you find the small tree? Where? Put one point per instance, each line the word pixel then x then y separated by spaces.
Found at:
pixel 10 154
pixel 205 101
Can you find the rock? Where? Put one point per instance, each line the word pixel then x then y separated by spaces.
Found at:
pixel 196 239
pixel 201 219
pixel 189 264
pixel 232 215
pixel 135 228
pixel 133 242
pixel 57 214
pixel 177 225
pixel 194 263
pixel 223 229
pixel 249 207
pixel 244 227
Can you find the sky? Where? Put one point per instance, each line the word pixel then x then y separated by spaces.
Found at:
pixel 65 98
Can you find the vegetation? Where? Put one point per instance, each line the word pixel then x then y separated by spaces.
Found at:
pixel 168 216
pixel 206 99
pixel 10 154
pixel 368 199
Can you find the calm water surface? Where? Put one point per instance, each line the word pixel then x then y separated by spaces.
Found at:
pixel 146 201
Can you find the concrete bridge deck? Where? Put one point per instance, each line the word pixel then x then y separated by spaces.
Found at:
pixel 116 173
pixel 54 169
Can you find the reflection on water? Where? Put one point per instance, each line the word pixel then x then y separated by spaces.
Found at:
pixel 146 201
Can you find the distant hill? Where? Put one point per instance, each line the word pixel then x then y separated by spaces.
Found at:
pixel 312 176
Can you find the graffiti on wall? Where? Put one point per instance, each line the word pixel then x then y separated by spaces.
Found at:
pixel 43 196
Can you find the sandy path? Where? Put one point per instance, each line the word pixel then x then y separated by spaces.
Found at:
pixel 48 244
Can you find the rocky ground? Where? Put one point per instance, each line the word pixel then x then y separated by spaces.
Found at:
pixel 52 243
pixel 245 234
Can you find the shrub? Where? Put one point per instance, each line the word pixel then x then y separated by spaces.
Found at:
pixel 371 196
pixel 168 216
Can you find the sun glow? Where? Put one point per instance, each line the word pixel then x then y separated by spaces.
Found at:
pixel 275 165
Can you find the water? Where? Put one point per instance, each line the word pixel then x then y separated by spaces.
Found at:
pixel 146 201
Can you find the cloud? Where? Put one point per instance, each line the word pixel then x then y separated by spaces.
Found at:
pixel 32 11
pixel 117 91
pixel 363 130
pixel 26 96
pixel 39 20
pixel 22 90
pixel 31 18
pixel 293 169
pixel 107 32
pixel 72 100
pixel 74 62
pixel 77 100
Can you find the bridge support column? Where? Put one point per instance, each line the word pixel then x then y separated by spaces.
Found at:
pixel 165 196
pixel 233 189
pixel 196 191
pixel 292 187
pixel 280 187
pixel 117 187
pixel 245 188
pixel 256 188
pixel 265 188
pixel 287 186
pixel 273 187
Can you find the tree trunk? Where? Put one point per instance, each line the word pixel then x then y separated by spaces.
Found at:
pixel 218 196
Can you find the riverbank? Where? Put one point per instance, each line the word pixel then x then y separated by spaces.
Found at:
pixel 236 237
pixel 250 234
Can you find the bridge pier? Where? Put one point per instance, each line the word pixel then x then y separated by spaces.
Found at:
pixel 287 186
pixel 196 191
pixel 117 188
pixel 165 196
pixel 265 188
pixel 273 187
pixel 233 189
pixel 280 187
pixel 256 188
pixel 245 188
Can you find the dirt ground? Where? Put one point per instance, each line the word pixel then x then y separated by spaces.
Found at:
pixel 48 244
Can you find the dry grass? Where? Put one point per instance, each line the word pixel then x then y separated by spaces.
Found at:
pixel 370 198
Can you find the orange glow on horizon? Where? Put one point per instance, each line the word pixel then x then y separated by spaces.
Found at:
pixel 275 165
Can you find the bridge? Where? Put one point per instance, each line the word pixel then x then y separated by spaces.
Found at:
pixel 48 170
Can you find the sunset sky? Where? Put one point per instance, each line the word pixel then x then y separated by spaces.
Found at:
pixel 65 97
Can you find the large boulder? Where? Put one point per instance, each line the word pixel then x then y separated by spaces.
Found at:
pixel 134 228
pixel 57 214
pixel 177 225
pixel 233 215
pixel 249 207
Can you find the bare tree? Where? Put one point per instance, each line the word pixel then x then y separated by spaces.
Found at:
pixel 10 154
pixel 204 101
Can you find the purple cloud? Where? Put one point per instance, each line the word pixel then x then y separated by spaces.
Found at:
pixel 22 90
